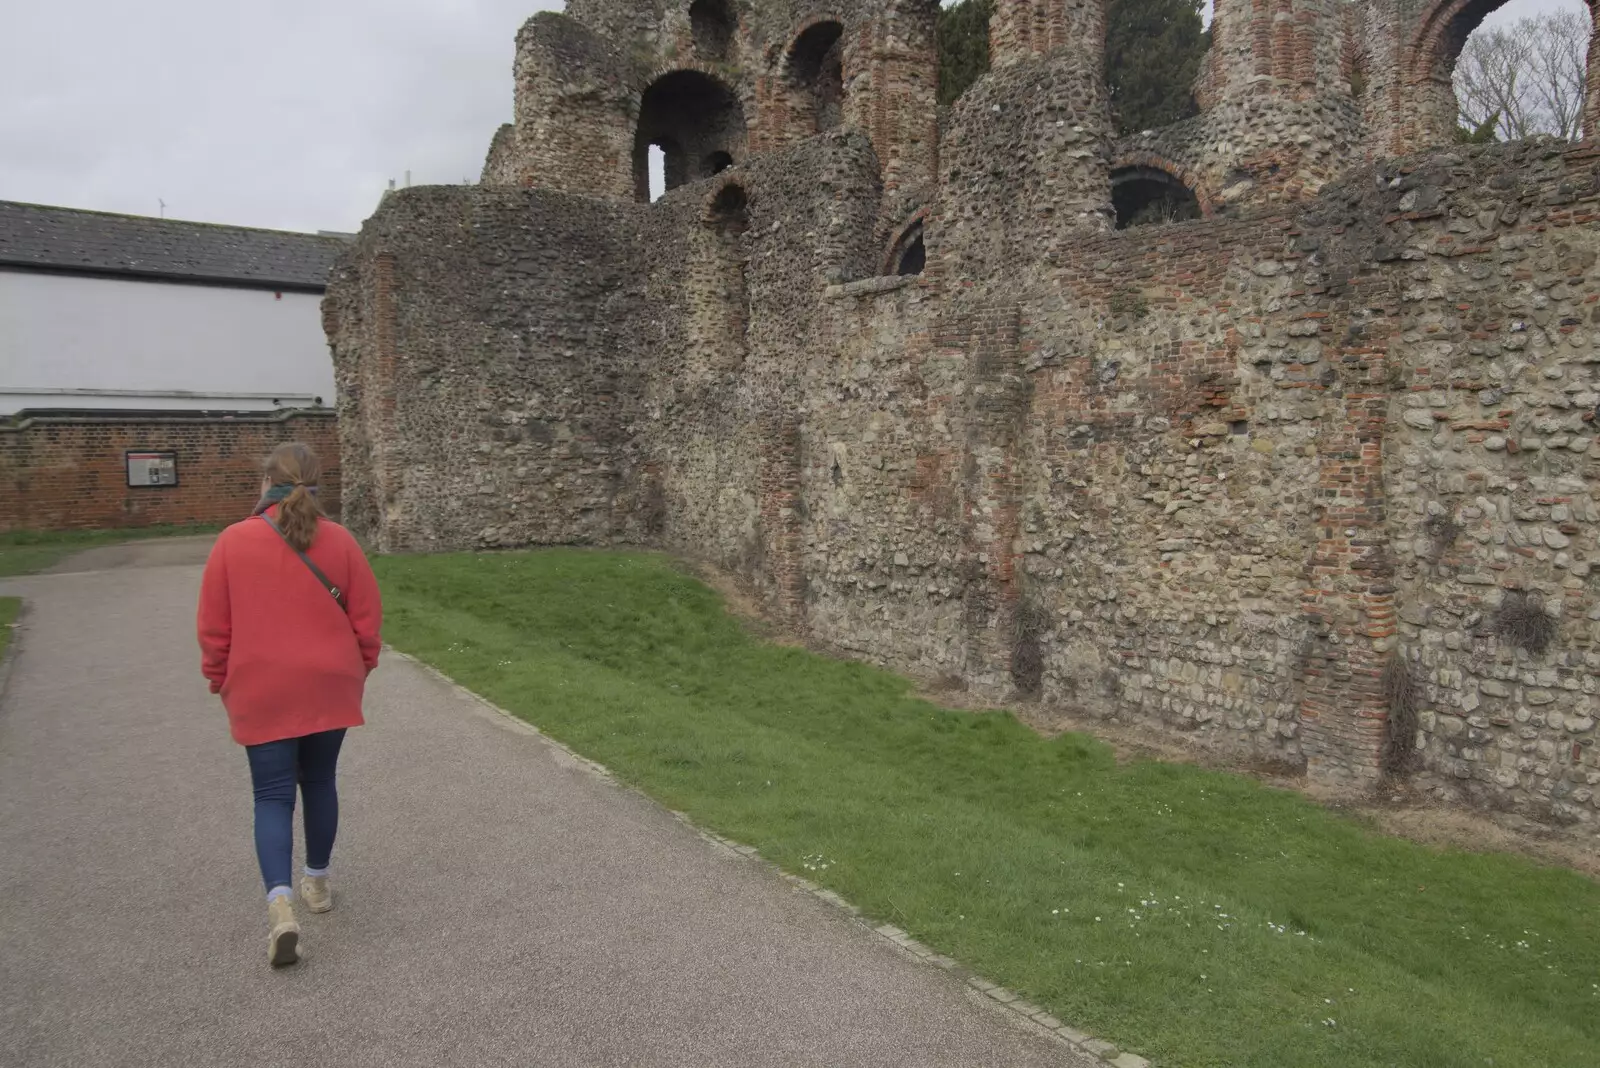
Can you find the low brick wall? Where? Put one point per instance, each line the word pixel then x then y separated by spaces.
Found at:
pixel 61 471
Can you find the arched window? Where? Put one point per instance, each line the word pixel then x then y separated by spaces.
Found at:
pixel 696 123
pixel 1501 70
pixel 909 255
pixel 712 22
pixel 816 72
pixel 1143 196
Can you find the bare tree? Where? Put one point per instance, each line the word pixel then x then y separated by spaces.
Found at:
pixel 1530 74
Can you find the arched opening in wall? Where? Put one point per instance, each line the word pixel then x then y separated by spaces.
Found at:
pixel 1492 70
pixel 909 255
pixel 816 74
pixel 696 123
pixel 1149 196
pixel 1356 74
pixel 717 282
pixel 730 210
pixel 712 23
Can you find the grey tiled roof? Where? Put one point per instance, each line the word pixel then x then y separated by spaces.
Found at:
pixel 66 239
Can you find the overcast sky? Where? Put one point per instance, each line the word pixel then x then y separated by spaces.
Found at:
pixel 287 113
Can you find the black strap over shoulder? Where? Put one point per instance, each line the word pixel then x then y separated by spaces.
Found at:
pixel 338 594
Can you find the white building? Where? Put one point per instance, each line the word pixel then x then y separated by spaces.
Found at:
pixel 101 311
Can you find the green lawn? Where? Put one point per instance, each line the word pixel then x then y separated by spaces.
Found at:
pixel 10 608
pixel 1196 917
pixel 23 552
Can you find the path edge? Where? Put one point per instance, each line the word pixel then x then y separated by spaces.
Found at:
pixel 1032 1016
pixel 8 658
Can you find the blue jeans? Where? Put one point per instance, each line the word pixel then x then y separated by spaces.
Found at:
pixel 275 768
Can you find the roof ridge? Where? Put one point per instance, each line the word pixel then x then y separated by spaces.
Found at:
pixel 160 219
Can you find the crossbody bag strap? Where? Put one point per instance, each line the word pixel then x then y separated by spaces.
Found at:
pixel 338 594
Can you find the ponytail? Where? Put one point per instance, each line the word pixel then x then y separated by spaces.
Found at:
pixel 294 469
pixel 297 518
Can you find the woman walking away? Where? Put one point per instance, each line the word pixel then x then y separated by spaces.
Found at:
pixel 289 620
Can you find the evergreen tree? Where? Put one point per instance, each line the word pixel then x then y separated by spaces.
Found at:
pixel 1153 52
pixel 963 33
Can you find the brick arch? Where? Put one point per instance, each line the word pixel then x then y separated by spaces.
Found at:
pixel 805 29
pixel 1425 88
pixel 694 116
pixel 787 111
pixel 916 221
pixel 679 66
pixel 782 52
pixel 1429 41
pixel 1182 174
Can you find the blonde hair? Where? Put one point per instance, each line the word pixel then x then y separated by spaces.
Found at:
pixel 294 464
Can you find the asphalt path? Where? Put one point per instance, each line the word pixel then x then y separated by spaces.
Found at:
pixel 497 903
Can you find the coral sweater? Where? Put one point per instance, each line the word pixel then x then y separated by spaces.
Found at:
pixel 287 660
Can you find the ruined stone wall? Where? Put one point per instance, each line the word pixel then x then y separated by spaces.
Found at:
pixel 598 84
pixel 1256 462
pixel 1278 116
pixel 1259 148
pixel 500 165
pixel 488 344
pixel 728 409
pixel 1293 46
pixel 883 482
pixel 1170 479
pixel 576 104
pixel 1024 169
pixel 1260 461
pixel 1491 466
pixel 1306 482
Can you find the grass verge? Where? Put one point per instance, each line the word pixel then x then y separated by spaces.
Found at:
pixel 24 552
pixel 1197 917
pixel 10 609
